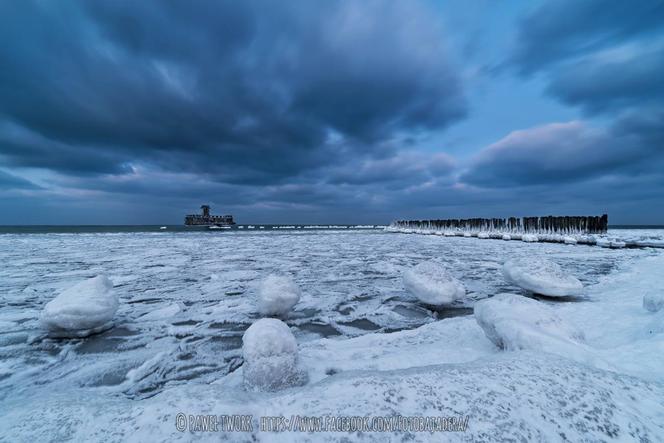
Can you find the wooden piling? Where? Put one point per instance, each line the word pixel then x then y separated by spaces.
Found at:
pixel 525 225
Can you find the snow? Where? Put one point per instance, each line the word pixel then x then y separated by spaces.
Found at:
pixel 569 240
pixel 541 276
pixel 270 356
pixel 513 322
pixel 432 284
pixel 653 301
pixel 83 309
pixel 277 295
pixel 603 242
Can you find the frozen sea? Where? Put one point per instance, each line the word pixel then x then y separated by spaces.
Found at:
pixel 187 297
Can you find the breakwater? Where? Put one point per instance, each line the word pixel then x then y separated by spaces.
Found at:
pixel 584 230
pixel 514 225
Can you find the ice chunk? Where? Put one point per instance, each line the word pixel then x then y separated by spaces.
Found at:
pixel 603 243
pixel 653 302
pixel 277 295
pixel 483 235
pixel 569 240
pixel 432 284
pixel 83 309
pixel 513 322
pixel 541 276
pixel 162 313
pixel 270 356
pixel 529 238
pixel 507 237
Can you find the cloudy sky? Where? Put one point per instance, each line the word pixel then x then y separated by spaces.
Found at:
pixel 127 112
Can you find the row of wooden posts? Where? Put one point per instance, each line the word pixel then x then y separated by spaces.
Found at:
pixel 535 225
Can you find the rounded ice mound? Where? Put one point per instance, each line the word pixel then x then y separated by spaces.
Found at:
pixel 432 284
pixel 270 356
pixel 507 237
pixel 541 276
pixel 513 322
pixel 653 302
pixel 277 295
pixel 529 238
pixel 482 235
pixel 569 240
pixel 83 309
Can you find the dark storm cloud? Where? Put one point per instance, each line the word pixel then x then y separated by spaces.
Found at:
pixel 562 29
pixel 572 152
pixel 245 92
pixel 10 181
pixel 612 83
pixel 598 55
pixel 408 167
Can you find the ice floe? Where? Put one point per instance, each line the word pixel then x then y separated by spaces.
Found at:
pixel 162 313
pixel 277 295
pixel 513 322
pixel 432 284
pixel 270 356
pixel 569 240
pixel 541 276
pixel 83 309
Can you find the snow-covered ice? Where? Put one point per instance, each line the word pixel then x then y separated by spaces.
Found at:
pixel 367 346
pixel 270 356
pixel 514 322
pixel 277 295
pixel 529 238
pixel 432 284
pixel 541 276
pixel 569 240
pixel 83 309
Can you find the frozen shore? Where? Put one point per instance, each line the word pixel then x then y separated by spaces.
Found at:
pixel 609 388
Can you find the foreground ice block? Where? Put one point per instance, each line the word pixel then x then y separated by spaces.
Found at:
pixel 529 238
pixel 270 356
pixel 432 284
pixel 513 322
pixel 83 309
pixel 541 276
pixel 277 295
